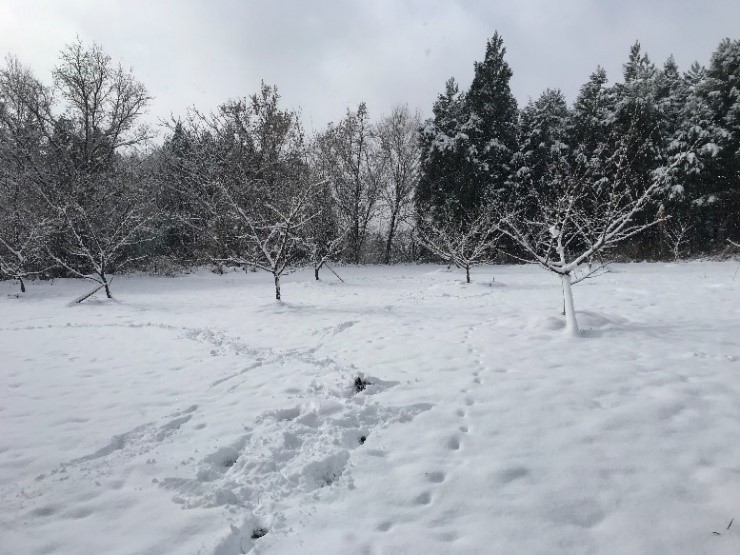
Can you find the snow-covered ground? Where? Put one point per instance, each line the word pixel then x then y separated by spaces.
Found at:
pixel 192 412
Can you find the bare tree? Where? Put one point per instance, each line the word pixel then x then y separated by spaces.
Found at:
pixel 103 104
pixel 399 144
pixel 249 181
pixel 322 250
pixel 460 242
pixel 568 227
pixel 79 163
pixel 91 183
pixel 21 244
pixel 676 234
pixel 21 141
pixel 324 236
pixel 107 230
pixel 349 158
pixel 20 254
pixel 275 236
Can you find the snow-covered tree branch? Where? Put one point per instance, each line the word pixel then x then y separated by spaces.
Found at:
pixel 248 184
pixel 274 236
pixel 579 210
pixel 22 219
pixel 462 243
pixel 105 234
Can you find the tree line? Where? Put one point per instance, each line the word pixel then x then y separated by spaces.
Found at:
pixel 647 167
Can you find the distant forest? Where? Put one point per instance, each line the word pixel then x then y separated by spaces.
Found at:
pixel 645 168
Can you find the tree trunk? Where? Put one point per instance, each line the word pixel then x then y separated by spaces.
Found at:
pixel 23 285
pixel 107 287
pixel 388 244
pixel 389 239
pixel 317 269
pixel 356 239
pixel 277 286
pixel 467 274
pixel 571 324
pixel 563 287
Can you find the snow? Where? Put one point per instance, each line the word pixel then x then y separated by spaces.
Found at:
pixel 191 413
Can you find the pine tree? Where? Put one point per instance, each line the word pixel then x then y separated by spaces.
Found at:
pixel 686 127
pixel 442 151
pixel 637 125
pixel 636 116
pixel 592 115
pixel 492 122
pixel 721 92
pixel 543 135
pixel 173 166
pixel 468 146
pixel 590 128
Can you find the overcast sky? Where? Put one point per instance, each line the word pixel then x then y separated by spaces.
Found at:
pixel 325 56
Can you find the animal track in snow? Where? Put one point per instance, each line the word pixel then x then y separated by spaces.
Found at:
pixel 435 477
pixel 423 498
pixel 453 442
pixel 513 473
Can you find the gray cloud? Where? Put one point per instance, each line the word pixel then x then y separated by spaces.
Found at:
pixel 326 56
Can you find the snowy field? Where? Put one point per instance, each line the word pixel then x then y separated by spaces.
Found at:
pixel 195 412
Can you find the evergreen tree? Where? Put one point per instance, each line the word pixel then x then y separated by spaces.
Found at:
pixel 590 129
pixel 543 135
pixel 173 166
pixel 442 151
pixel 468 146
pixel 670 95
pixel 687 127
pixel 637 117
pixel 637 125
pixel 592 115
pixel 721 92
pixel 492 122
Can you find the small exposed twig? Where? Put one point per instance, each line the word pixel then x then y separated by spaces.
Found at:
pixel 728 527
